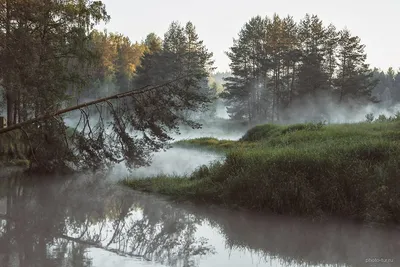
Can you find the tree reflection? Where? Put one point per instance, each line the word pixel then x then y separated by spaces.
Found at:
pixel 300 242
pixel 55 223
pixel 58 222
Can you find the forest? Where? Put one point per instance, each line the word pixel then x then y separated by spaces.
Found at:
pixel 279 66
pixel 53 57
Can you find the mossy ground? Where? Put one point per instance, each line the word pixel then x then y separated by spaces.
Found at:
pixel 347 170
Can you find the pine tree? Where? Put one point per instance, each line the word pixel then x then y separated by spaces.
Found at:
pixel 182 54
pixel 291 59
pixel 312 75
pixel 153 43
pixel 245 89
pixel 396 88
pixel 354 80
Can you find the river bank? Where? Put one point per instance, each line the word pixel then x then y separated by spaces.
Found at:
pixel 346 170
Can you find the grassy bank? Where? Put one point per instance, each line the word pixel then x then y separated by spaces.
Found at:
pixel 348 170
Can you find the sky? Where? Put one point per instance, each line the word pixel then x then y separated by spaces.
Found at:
pixel 218 22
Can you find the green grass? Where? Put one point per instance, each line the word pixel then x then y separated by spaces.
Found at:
pixel 210 143
pixel 347 170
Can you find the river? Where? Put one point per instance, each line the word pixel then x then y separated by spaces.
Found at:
pixel 89 220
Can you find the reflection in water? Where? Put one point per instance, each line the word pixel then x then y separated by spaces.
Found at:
pixel 54 223
pixel 83 222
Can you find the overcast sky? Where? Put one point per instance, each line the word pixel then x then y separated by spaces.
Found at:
pixel 377 23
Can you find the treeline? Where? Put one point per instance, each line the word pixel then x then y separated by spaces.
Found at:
pixel 388 88
pixel 279 65
pixel 115 65
pixel 123 65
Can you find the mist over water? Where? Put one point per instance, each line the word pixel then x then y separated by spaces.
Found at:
pixel 183 161
pixel 323 108
pixel 174 161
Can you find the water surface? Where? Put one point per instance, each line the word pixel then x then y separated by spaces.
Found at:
pixel 81 221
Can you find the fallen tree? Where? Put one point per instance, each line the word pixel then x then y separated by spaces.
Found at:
pixel 142 90
pixel 141 121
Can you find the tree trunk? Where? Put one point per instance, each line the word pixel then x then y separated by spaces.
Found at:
pixel 7 81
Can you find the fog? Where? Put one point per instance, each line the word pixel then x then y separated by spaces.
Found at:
pixel 183 161
pixel 325 108
pixel 174 161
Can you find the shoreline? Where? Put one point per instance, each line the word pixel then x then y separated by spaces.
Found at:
pixel 346 171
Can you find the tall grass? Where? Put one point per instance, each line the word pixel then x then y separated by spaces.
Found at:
pixel 348 170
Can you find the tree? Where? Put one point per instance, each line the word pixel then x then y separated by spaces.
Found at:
pixel 396 85
pixel 312 75
pixel 354 80
pixel 153 43
pixel 249 66
pixel 182 53
pixel 44 52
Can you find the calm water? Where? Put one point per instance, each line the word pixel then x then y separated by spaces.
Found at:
pixel 83 221
pixel 90 221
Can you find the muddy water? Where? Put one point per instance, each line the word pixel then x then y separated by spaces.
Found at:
pixel 84 221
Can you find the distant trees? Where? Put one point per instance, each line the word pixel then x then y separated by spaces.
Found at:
pixel 180 52
pixel 115 67
pixel 388 88
pixel 276 62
